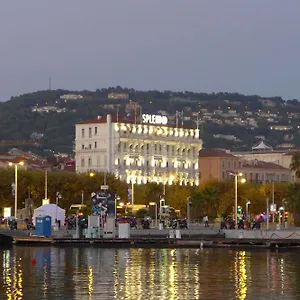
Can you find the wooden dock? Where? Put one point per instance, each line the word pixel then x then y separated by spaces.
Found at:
pixel 158 242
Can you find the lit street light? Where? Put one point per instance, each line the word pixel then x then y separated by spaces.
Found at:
pixel 21 163
pixel 243 180
pixel 247 211
pixel 155 204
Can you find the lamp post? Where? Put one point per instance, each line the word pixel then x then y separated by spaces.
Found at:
pixel 247 210
pixel 243 180
pixel 161 204
pixel 154 203
pixel 21 163
pixel 188 211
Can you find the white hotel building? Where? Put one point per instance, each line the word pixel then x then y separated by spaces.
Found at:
pixel 150 151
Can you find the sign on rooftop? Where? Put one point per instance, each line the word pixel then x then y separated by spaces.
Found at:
pixel 154 119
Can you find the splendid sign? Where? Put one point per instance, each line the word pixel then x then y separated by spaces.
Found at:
pixel 154 119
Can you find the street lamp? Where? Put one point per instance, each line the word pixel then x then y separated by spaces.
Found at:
pixel 154 203
pixel 247 211
pixel 243 180
pixel 161 204
pixel 21 163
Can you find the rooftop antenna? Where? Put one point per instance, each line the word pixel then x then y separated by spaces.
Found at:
pixel 198 121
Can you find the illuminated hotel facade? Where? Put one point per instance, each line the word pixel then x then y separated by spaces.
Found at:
pixel 150 151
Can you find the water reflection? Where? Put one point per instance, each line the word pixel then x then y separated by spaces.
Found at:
pixel 95 273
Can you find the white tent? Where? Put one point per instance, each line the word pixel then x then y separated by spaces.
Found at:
pixel 262 146
pixel 52 210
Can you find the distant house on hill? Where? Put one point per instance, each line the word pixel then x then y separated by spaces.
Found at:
pixel 122 96
pixel 71 97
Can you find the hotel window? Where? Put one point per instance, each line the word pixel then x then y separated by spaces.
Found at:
pixel 82 132
pixel 234 164
pixel 90 132
pixel 90 162
pixel 223 175
pixel 147 146
pixel 167 148
pixel 96 130
pixel 223 164
pixel 167 164
pixel 82 162
pixel 95 145
pixel 90 146
pixel 82 146
pixel 159 147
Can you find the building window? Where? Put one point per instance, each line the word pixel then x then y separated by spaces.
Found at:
pixel 95 145
pixel 167 148
pixel 147 146
pixel 223 174
pixel 96 130
pixel 234 164
pixel 82 162
pixel 82 146
pixel 90 132
pixel 90 146
pixel 167 164
pixel 82 132
pixel 223 164
pixel 90 162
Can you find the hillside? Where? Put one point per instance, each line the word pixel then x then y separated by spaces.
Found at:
pixel 226 120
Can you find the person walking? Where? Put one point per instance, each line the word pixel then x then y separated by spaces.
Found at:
pixel 205 219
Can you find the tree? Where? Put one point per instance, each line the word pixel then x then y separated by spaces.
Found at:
pixel 295 164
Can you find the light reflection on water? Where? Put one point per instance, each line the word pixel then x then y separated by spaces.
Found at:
pixel 97 273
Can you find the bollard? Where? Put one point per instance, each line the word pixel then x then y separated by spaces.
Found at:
pixel 277 226
pixel 171 234
pixel 178 234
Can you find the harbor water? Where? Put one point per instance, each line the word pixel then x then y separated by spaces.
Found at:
pixel 98 273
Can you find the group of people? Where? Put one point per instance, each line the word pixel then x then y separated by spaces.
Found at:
pixel 229 223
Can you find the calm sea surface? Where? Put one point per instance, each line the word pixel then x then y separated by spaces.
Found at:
pixel 96 273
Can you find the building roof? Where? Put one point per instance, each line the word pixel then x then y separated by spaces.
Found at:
pixel 215 153
pixel 262 146
pixel 292 152
pixel 262 165
pixel 122 119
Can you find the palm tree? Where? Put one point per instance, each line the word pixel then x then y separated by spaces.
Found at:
pixel 295 164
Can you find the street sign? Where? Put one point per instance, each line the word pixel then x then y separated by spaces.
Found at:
pixel 273 208
pixel 104 187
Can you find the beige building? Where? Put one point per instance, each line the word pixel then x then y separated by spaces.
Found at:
pixel 218 164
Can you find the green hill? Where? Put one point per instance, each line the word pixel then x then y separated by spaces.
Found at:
pixel 18 120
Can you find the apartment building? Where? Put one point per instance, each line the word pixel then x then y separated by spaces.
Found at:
pixel 218 164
